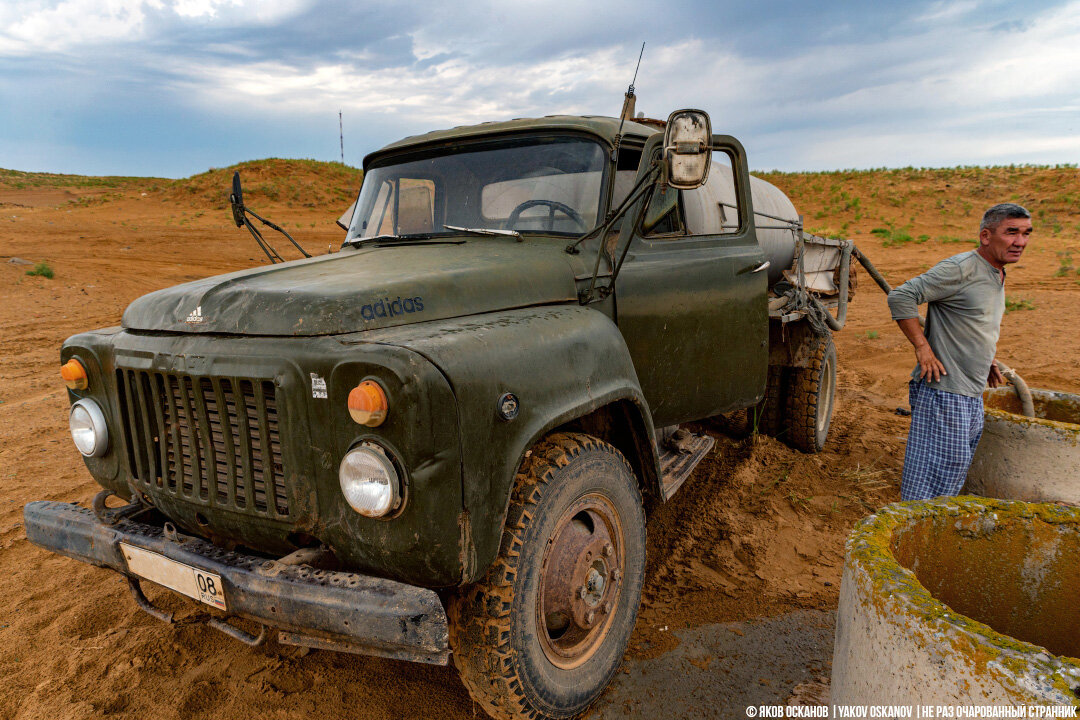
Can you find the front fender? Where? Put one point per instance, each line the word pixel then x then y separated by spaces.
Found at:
pixel 562 362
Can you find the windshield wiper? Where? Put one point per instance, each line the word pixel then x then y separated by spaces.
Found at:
pixel 358 241
pixel 487 231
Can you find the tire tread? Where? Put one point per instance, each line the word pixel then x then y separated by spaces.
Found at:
pixel 804 394
pixel 480 615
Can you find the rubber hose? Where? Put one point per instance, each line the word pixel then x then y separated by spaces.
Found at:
pixel 1023 392
pixel 873 271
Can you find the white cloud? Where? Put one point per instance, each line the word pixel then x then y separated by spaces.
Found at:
pixel 200 8
pixel 931 93
pixel 453 91
pixel 934 84
pixel 947 10
pixel 32 27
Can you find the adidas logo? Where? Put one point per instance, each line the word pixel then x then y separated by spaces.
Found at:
pixel 195 316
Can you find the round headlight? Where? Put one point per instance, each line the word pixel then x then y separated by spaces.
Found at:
pixel 369 480
pixel 88 428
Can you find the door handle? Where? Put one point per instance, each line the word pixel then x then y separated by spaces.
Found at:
pixel 751 268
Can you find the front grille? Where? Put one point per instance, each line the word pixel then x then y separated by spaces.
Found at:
pixel 212 441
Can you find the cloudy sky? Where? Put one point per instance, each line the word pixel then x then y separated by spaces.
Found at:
pixel 173 87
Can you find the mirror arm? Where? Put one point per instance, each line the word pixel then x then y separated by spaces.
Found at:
pixel 240 213
pixel 635 194
pixel 613 215
pixel 271 253
pixel 279 229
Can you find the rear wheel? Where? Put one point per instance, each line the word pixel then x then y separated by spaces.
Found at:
pixel 768 414
pixel 545 630
pixel 767 417
pixel 811 395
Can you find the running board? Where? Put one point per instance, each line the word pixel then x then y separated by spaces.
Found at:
pixel 676 465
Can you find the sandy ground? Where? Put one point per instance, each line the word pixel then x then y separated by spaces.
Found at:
pixel 755 535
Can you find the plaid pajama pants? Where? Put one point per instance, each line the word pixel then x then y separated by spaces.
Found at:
pixel 945 429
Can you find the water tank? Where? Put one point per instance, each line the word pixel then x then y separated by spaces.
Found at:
pixel 710 209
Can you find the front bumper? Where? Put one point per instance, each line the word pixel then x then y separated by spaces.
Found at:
pixel 333 610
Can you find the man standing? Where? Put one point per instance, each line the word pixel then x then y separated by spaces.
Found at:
pixel 965 296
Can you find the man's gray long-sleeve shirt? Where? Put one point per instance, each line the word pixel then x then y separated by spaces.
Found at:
pixel 966 299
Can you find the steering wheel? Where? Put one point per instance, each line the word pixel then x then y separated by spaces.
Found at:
pixel 555 205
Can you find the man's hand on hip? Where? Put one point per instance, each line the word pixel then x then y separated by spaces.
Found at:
pixel 930 368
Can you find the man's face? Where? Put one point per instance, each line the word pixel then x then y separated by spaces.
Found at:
pixel 1005 243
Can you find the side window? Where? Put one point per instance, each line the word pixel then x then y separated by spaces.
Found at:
pixel 416 206
pixel 662 217
pixel 383 216
pixel 713 209
pixel 406 209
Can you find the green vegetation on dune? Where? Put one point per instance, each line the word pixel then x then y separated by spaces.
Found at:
pixel 267 183
pixel 899 206
pixel 273 181
pixel 895 206
pixel 42 269
pixel 17 179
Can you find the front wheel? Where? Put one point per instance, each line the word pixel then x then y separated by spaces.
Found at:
pixel 544 632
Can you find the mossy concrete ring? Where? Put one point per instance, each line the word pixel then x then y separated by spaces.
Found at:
pixel 1023 458
pixel 960 601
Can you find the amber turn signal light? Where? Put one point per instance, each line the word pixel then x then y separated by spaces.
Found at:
pixel 367 403
pixel 74 375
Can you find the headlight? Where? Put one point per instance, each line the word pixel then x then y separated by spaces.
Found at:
pixel 369 480
pixel 88 428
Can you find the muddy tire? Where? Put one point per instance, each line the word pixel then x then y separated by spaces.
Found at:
pixel 811 392
pixel 769 414
pixel 767 417
pixel 545 630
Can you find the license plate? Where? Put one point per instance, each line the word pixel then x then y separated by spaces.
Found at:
pixel 191 581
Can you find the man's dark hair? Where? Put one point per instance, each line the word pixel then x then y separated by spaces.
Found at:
pixel 1003 211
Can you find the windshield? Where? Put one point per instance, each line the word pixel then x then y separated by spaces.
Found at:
pixel 549 185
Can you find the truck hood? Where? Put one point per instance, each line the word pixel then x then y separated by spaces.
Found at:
pixel 363 289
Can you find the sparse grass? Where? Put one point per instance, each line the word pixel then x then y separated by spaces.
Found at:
pixel 953 239
pixel 871 334
pixel 782 477
pixel 896 236
pixel 1012 304
pixel 797 502
pixel 42 269
pixel 22 180
pixel 1066 264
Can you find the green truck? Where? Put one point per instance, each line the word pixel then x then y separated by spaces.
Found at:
pixel 443 440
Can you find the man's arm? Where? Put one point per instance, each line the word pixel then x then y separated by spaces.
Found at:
pixel 937 283
pixel 995 377
pixel 929 366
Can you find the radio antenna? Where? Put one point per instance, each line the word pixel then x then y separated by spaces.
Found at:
pixel 628 107
pixel 341 136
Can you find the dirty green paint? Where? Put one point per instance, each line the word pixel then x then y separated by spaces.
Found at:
pixel 603 128
pixel 497 316
pixel 366 288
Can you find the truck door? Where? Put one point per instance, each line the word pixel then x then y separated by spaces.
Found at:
pixel 690 299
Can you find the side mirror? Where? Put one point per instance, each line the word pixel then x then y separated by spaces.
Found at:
pixel 687 149
pixel 346 217
pixel 236 198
